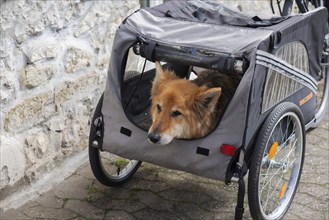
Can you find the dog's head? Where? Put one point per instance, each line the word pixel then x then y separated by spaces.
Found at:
pixel 179 107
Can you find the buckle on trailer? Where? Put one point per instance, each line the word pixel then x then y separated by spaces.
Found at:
pixel 145 48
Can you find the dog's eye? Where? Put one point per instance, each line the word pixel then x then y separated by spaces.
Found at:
pixel 158 108
pixel 175 113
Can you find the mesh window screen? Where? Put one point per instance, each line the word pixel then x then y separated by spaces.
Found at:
pixel 136 88
pixel 278 86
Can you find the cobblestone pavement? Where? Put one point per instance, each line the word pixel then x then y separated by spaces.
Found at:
pixel 159 193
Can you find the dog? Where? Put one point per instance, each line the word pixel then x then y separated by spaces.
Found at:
pixel 188 109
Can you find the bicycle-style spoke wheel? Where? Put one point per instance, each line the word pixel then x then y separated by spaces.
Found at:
pixel 277 163
pixel 109 169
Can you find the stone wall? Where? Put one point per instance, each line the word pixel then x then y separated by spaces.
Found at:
pixel 53 62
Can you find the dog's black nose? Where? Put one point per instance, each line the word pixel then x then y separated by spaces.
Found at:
pixel 154 137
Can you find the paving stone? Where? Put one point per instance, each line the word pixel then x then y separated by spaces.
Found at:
pixel 44 212
pixel 86 172
pixel 215 206
pixel 292 216
pixel 193 211
pixel 74 187
pixel 304 212
pixel 118 215
pixel 154 186
pixel 173 178
pixel 154 201
pixel 147 172
pixel 313 202
pixel 49 200
pixel 29 205
pixel 84 209
pixel 149 214
pixel 228 215
pixel 129 205
pixel 112 192
pixel 12 214
pixel 318 190
pixel 185 196
pixel 220 191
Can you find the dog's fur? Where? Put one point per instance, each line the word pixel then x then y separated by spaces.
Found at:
pixel 188 109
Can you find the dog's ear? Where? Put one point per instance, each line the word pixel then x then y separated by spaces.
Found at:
pixel 162 74
pixel 206 100
pixel 158 67
pixel 161 77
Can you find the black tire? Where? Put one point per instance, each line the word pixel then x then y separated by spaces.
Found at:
pixel 101 161
pixel 282 136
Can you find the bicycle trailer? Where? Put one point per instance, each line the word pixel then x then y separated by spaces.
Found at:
pixel 263 126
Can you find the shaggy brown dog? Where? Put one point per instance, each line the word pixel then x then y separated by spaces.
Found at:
pixel 188 109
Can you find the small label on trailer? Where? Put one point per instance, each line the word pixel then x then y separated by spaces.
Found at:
pixel 306 99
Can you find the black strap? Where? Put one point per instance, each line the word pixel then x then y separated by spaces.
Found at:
pixel 241 192
pixel 149 50
pixel 241 168
pixel 232 167
pixel 146 48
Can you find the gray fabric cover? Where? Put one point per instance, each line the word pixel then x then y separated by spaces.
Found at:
pixel 242 117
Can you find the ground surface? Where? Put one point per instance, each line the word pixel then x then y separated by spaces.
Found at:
pixel 159 193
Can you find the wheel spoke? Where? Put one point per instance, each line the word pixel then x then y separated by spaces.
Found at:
pixel 270 196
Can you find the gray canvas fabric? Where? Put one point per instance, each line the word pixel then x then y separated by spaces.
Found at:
pixel 243 113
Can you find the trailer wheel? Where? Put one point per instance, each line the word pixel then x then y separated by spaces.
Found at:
pixel 277 163
pixel 109 169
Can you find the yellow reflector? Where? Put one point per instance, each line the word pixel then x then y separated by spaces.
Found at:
pixel 273 150
pixel 283 190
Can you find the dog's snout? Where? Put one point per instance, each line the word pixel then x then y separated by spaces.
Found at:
pixel 154 137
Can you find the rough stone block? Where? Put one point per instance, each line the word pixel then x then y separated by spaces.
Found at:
pixel 71 88
pixel 7 87
pixel 68 139
pixel 36 28
pixel 51 19
pixel 75 134
pixel 77 59
pixel 37 145
pixel 43 49
pixel 56 139
pixel 12 163
pixel 96 19
pixel 35 75
pixel 71 9
pixel 103 60
pixel 20 33
pixel 29 113
pixel 55 125
pixel 5 46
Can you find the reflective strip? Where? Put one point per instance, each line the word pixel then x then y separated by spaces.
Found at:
pixel 272 62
